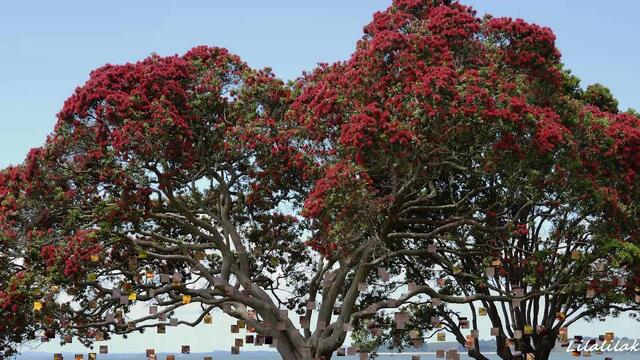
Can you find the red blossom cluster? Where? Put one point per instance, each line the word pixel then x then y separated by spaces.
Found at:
pixel 14 309
pixel 526 46
pixel 71 253
pixel 338 176
pixel 9 193
pixel 365 130
pixel 10 298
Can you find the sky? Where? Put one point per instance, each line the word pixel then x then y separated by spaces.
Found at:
pixel 48 48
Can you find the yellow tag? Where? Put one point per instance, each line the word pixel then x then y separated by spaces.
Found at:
pixel 133 296
pixel 95 258
pixel 37 306
pixel 186 299
pixel 274 261
pixel 528 329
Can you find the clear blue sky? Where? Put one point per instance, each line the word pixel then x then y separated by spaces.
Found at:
pixel 47 48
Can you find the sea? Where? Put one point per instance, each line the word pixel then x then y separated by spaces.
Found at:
pixel 264 355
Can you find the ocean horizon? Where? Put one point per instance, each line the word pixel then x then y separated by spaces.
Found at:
pixel 272 355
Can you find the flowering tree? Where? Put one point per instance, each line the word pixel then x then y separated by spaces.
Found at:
pixel 450 162
pixel 459 150
pixel 176 181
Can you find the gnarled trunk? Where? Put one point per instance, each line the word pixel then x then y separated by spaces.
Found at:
pixel 544 347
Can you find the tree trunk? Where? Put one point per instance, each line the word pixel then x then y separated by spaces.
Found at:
pixel 325 356
pixel 288 349
pixel 544 347
pixel 288 352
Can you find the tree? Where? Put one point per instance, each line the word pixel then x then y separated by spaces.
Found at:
pixel 16 295
pixel 458 148
pixel 175 181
